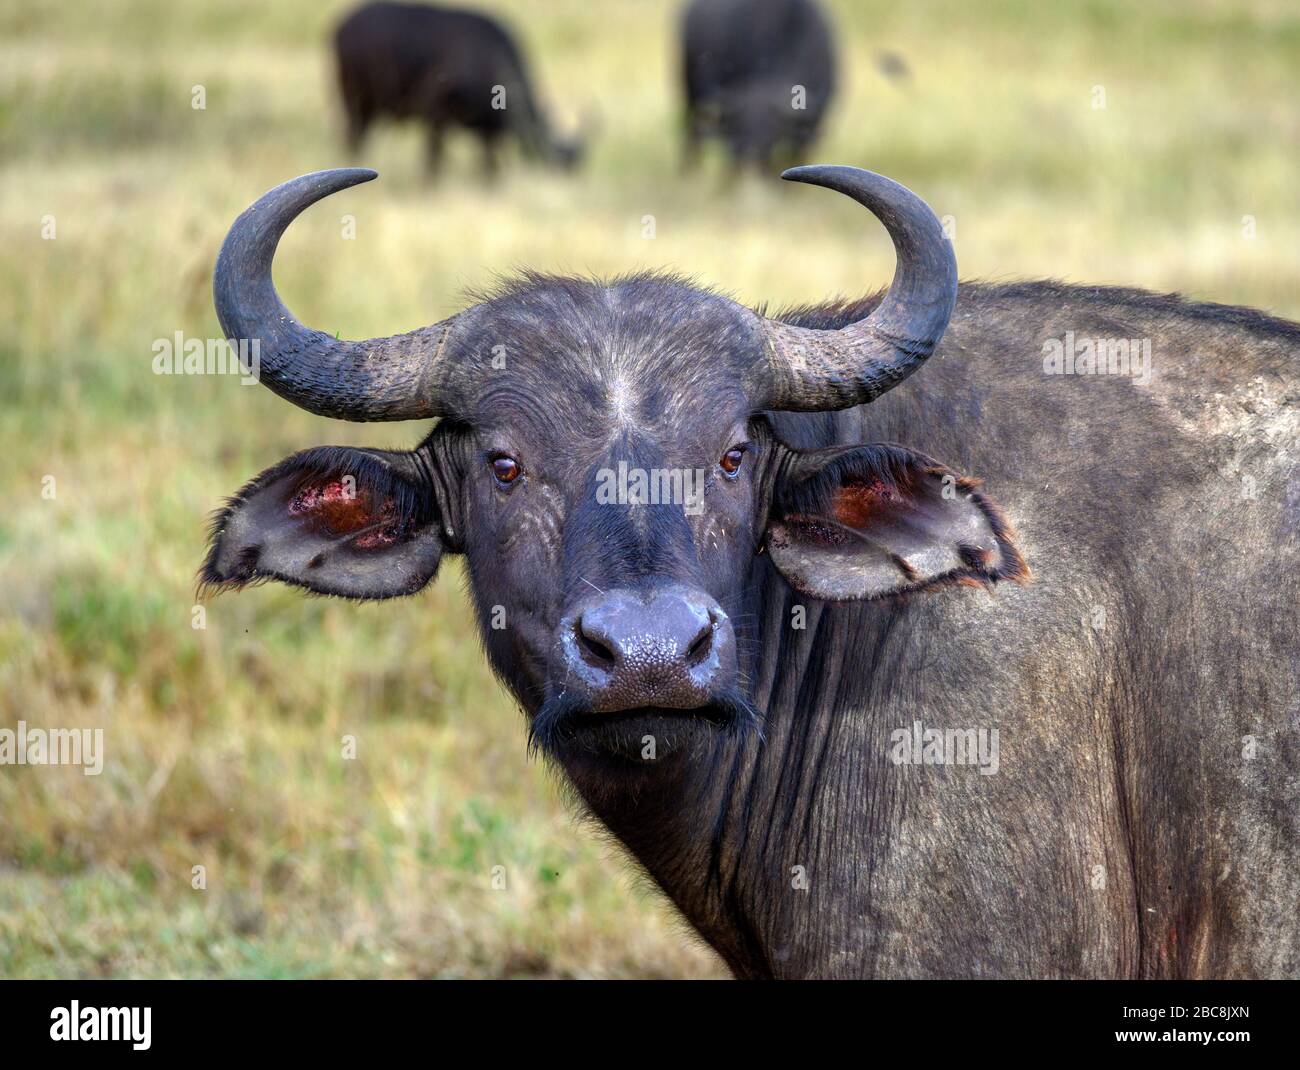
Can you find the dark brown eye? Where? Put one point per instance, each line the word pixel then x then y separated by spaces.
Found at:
pixel 505 469
pixel 731 461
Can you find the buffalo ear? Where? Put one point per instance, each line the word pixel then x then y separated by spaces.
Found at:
pixel 864 522
pixel 351 522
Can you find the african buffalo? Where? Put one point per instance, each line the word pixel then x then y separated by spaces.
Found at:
pixel 759 75
pixel 786 645
pixel 444 67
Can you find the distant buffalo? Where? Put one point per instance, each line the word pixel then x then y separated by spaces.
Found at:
pixel 446 68
pixel 759 75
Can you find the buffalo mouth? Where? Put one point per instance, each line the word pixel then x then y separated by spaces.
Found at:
pixel 566 724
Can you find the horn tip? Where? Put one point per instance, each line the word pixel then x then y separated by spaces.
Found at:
pixel 812 172
pixel 832 175
pixel 354 175
pixel 320 184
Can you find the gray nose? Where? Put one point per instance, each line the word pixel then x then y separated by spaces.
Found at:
pixel 670 647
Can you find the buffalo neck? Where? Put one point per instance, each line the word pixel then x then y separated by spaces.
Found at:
pixel 741 831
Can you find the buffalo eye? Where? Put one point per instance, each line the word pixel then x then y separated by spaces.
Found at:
pixel 505 469
pixel 731 461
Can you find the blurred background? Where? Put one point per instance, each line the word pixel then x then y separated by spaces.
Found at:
pixel 1153 144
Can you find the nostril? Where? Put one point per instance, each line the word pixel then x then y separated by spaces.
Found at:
pixel 595 648
pixel 701 645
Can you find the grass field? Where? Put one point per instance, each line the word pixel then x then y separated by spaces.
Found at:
pixel 224 743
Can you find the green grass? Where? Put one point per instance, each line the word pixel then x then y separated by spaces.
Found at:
pixel 224 744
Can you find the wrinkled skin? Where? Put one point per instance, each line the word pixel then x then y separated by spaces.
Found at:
pixel 1125 834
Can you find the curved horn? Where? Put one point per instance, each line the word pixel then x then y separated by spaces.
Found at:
pixel 815 370
pixel 402 377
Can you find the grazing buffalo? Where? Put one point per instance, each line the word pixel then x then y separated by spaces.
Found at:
pixel 855 711
pixel 446 68
pixel 759 75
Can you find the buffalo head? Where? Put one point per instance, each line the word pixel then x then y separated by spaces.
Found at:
pixel 603 461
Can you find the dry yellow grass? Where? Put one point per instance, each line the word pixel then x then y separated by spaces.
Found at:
pixel 223 744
